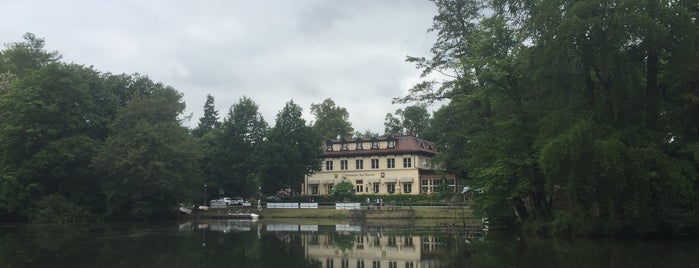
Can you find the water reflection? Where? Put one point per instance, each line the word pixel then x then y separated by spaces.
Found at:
pixel 327 243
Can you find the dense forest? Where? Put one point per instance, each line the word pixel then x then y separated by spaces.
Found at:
pixel 570 116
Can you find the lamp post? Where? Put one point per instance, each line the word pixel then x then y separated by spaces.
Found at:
pixel 204 201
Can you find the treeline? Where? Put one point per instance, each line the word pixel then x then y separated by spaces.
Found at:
pixel 77 144
pixel 575 117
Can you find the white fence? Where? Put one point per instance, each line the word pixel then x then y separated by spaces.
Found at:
pixel 282 205
pixel 308 205
pixel 348 206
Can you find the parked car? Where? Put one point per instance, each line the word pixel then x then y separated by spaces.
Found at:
pixel 226 200
pixel 237 201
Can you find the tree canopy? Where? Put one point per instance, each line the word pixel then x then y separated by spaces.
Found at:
pixel 331 120
pixel 581 115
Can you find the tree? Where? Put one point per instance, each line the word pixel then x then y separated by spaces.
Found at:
pixel 343 190
pixel 291 152
pixel 23 57
pixel 209 120
pixel 413 119
pixel 149 162
pixel 571 114
pixel 54 120
pixel 331 120
pixel 237 149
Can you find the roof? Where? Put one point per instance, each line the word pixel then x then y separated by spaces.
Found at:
pixel 403 145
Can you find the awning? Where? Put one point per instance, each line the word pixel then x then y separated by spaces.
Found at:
pixel 328 181
pixel 313 182
pixel 374 180
pixel 390 180
pixel 406 179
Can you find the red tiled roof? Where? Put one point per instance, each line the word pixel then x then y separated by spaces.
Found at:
pixel 404 145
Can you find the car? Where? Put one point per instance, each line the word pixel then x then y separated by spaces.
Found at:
pixel 237 201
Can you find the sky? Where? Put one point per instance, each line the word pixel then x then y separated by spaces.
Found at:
pixel 270 51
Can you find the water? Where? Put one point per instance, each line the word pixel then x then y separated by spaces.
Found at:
pixel 319 244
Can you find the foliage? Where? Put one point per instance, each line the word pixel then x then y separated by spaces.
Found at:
pixel 331 121
pixel 291 151
pixel 209 121
pixel 413 119
pixel 343 190
pixel 233 153
pixel 582 114
pixel 149 162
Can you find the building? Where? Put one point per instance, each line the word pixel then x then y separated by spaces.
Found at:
pixel 398 164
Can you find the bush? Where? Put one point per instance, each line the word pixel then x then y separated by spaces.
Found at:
pixel 57 209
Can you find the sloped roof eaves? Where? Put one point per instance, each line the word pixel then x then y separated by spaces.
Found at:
pixel 375 152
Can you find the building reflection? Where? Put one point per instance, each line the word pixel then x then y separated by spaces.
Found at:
pixel 373 249
pixel 344 246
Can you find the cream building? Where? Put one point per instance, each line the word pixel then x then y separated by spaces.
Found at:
pixel 389 165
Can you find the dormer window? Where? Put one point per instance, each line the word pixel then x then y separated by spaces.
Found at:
pixel 375 145
pixel 359 146
pixel 329 146
pixel 391 143
pixel 344 147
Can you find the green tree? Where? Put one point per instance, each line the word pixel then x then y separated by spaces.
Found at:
pixel 209 120
pixel 291 152
pixel 54 120
pixel 343 190
pixel 570 113
pixel 331 120
pixel 237 150
pixel 149 162
pixel 413 119
pixel 23 57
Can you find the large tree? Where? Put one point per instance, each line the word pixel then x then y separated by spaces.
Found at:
pixel 237 150
pixel 581 114
pixel 149 162
pixel 331 121
pixel 291 152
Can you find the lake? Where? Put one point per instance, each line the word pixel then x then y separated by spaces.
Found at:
pixel 319 243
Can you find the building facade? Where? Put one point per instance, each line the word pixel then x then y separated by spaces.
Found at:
pixel 388 165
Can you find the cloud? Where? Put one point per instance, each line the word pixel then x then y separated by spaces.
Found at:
pixel 270 51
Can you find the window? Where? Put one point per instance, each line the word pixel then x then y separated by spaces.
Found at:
pixel 359 146
pixel 392 264
pixel 329 147
pixel 375 264
pixel 330 188
pixel 407 162
pixel 425 186
pixel 314 188
pixel 344 263
pixel 374 163
pixel 360 264
pixel 329 263
pixel 344 147
pixel 359 164
pixel 328 165
pixel 391 144
pixel 376 187
pixel 343 164
pixel 390 163
pixel 409 264
pixel 391 188
pixel 359 187
pixel 407 188
pixel 375 145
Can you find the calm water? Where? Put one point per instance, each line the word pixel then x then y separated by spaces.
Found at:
pixel 320 244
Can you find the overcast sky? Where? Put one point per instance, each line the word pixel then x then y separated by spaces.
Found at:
pixel 270 51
